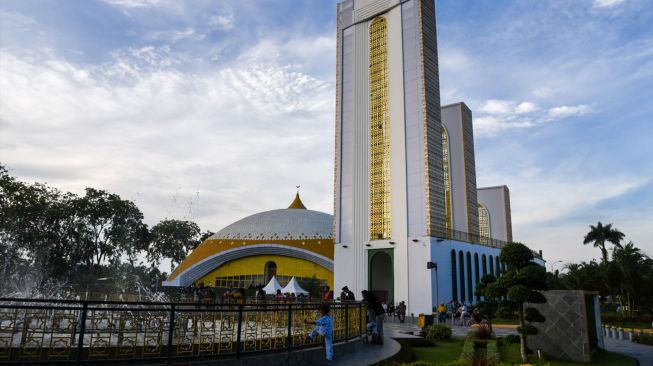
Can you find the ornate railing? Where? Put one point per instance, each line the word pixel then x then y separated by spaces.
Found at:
pixel 71 331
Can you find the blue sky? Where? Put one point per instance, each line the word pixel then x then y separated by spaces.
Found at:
pixel 213 110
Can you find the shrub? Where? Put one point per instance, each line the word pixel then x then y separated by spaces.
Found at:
pixel 504 312
pixel 455 363
pixel 467 353
pixel 493 355
pixel 511 338
pixel 644 339
pixel 418 363
pixel 437 331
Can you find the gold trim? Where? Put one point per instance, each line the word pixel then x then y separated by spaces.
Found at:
pixel 380 194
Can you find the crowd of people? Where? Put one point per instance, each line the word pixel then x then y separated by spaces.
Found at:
pixel 460 313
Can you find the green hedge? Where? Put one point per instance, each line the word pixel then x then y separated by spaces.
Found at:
pixel 493 355
pixel 437 331
pixel 468 350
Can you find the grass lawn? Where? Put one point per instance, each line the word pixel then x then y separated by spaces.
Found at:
pixel 444 351
pixel 510 354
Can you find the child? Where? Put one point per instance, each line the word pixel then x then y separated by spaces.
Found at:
pixel 324 327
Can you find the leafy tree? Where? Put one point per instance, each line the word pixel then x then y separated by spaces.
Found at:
pixel 627 273
pixel 600 234
pixel 173 239
pixel 520 285
pixel 36 226
pixel 108 228
pixel 490 293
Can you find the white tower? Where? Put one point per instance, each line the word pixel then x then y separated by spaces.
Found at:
pixel 389 183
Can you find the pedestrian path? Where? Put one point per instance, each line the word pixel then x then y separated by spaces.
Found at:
pixel 642 352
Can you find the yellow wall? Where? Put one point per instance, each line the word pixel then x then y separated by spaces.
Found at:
pixel 208 248
pixel 286 266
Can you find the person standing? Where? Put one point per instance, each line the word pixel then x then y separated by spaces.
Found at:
pixel 401 311
pixel 324 327
pixel 379 313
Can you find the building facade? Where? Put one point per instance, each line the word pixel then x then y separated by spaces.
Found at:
pixel 405 178
pixel 293 242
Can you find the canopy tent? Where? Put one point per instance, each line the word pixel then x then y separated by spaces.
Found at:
pixel 272 286
pixel 293 288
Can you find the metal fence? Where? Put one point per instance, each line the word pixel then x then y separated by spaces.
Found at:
pixel 71 331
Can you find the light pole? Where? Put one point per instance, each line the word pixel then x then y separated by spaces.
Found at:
pixel 553 264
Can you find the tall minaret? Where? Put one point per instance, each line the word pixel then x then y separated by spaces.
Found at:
pixel 389 185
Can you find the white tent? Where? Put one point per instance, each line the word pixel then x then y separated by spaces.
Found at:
pixel 294 288
pixel 272 286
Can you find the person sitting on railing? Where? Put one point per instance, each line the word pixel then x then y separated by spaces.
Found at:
pixel 327 294
pixel 324 327
pixel 347 295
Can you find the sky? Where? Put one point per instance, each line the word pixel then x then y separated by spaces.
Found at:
pixel 214 110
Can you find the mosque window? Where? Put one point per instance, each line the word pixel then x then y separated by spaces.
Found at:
pixel 447 180
pixel 476 274
pixel 470 287
pixel 498 267
pixel 454 275
pixel 483 224
pixel 270 270
pixel 484 261
pixel 379 132
pixel 491 265
pixel 461 262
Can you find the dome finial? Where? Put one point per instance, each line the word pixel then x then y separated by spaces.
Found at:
pixel 297 202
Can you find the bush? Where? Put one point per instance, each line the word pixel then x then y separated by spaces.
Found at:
pixel 493 355
pixel 511 338
pixel 418 363
pixel 455 363
pixel 644 339
pixel 437 331
pixel 504 312
pixel 467 353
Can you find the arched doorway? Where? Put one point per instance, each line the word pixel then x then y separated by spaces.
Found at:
pixel 269 271
pixel 381 275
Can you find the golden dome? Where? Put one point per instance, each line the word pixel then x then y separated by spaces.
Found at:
pixel 297 203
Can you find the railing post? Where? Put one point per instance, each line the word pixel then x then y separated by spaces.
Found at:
pixel 240 328
pixel 346 322
pixel 289 339
pixel 171 330
pixel 82 329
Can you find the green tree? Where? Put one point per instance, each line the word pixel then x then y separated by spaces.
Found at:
pixel 36 228
pixel 600 234
pixel 173 239
pixel 521 285
pixel 490 293
pixel 108 228
pixel 627 273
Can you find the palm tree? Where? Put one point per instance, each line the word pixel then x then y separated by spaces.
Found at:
pixel 599 235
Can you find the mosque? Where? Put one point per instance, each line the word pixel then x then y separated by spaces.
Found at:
pixel 409 222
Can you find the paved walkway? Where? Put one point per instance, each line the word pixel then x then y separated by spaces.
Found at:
pixel 642 352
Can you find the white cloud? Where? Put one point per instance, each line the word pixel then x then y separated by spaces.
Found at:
pixel 568 111
pixel 607 3
pixel 222 21
pixel 495 106
pixel 526 107
pixel 211 145
pixel 132 3
pixel 504 115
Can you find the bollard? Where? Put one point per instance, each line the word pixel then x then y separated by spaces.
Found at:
pixel 620 334
pixel 630 335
